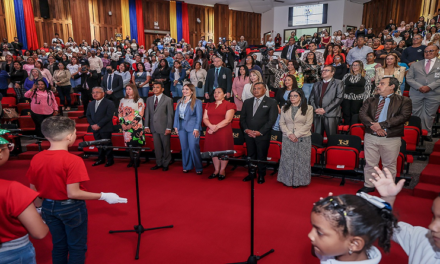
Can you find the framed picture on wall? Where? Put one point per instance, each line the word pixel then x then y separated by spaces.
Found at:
pixel 288 33
pixel 328 29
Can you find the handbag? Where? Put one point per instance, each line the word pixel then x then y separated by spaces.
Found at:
pixel 199 83
pixel 10 113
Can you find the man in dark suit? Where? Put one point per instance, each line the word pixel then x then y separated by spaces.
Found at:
pixel 326 98
pixel 89 79
pixel 100 115
pixel 113 86
pixel 289 50
pixel 159 121
pixel 258 115
pixel 218 77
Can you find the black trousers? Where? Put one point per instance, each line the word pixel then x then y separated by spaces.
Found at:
pixel 167 89
pixel 104 153
pixel 257 149
pixel 86 97
pixel 327 124
pixel 350 108
pixel 38 119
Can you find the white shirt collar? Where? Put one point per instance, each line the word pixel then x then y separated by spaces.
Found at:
pixel 261 98
pixel 99 101
pixel 432 60
pixel 327 81
pixel 158 97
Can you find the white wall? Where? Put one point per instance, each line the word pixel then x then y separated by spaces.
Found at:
pixel 267 19
pixel 340 14
pixel 352 14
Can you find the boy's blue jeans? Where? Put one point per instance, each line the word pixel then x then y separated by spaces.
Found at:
pixel 24 254
pixel 67 222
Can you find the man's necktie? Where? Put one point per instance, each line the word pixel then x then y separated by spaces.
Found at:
pixel 427 66
pixel 256 104
pixel 109 83
pixel 289 53
pixel 379 109
pixel 155 103
pixel 216 78
pixel 96 106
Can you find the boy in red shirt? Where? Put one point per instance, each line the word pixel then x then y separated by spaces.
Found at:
pixel 57 175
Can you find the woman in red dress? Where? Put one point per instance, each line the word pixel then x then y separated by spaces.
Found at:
pixel 218 117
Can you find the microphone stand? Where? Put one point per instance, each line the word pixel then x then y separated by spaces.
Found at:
pixel 39 140
pixel 138 229
pixel 252 165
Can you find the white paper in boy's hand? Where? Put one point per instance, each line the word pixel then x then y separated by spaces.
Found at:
pixel 112 198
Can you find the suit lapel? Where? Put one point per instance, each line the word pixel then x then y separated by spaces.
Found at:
pixel 328 87
pixel 260 106
pixel 158 103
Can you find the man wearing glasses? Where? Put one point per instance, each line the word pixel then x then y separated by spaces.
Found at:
pixel 326 98
pixel 415 52
pixel 424 79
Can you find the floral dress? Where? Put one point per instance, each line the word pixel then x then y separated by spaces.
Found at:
pixel 130 118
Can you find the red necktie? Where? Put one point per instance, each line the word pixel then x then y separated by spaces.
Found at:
pixel 379 109
pixel 155 103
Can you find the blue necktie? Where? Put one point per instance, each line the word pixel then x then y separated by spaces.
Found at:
pixel 109 83
pixel 216 78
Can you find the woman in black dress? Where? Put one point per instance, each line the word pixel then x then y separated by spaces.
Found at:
pixel 162 74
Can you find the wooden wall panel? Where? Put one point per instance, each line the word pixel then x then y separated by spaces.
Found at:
pixel 221 24
pixel 81 20
pixel 2 21
pixel 59 21
pixel 377 13
pixel 158 11
pixel 102 25
pixel 245 24
pixel 204 28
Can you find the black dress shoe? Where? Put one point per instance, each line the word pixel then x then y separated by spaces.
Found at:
pixel 109 163
pixel 221 177
pixel 261 180
pixel 99 162
pixel 81 117
pixel 165 168
pixel 247 178
pixel 213 176
pixel 428 138
pixel 130 164
pixel 366 189
pixel 155 167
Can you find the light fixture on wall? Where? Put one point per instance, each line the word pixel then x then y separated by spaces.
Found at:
pixel 199 21
pixel 109 13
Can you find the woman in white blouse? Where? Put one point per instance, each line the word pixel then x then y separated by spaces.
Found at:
pixel 74 67
pixel 125 74
pixel 198 76
pixel 254 77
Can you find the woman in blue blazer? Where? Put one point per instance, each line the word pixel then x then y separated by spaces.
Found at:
pixel 177 75
pixel 187 124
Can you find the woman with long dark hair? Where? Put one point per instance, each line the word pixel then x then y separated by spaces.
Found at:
pixel 249 62
pixel 295 123
pixel 43 104
pixel 278 41
pixel 17 78
pixel 200 57
pixel 282 95
pixel 177 75
pixel 238 86
pixel 62 81
pixel 162 74
pixel 311 71
pixel 141 79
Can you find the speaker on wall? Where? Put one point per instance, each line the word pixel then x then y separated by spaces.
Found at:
pixel 44 9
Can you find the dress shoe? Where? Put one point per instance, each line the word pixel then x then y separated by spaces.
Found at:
pixel 199 172
pixel 130 164
pixel 366 189
pixel 261 180
pixel 109 163
pixel 81 117
pixel 155 167
pixel 247 178
pixel 165 168
pixel 213 176
pixel 99 162
pixel 221 177
pixel 428 138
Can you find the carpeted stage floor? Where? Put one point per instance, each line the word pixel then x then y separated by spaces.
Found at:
pixel 210 218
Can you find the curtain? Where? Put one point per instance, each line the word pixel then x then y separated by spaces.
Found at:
pixel 133 19
pixel 31 32
pixel 140 23
pixel 179 20
pixel 125 14
pixel 20 23
pixel 173 25
pixel 185 23
pixel 11 29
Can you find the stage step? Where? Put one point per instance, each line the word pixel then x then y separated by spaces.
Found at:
pixel 81 127
pixel 79 120
pixel 431 174
pixel 75 113
pixel 426 190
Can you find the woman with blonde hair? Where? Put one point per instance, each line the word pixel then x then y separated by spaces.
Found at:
pixel 33 79
pixel 357 89
pixel 130 113
pixel 390 68
pixel 254 77
pixel 187 124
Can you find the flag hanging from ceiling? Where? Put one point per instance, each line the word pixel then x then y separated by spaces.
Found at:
pixel 179 28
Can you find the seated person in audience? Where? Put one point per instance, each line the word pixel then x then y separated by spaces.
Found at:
pixel 345 227
pixel 19 216
pixel 422 245
pixel 58 176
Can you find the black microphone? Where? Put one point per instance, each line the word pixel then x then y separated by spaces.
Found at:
pixel 206 155
pixel 15 130
pixel 95 142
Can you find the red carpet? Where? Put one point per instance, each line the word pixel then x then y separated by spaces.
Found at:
pixel 429 183
pixel 210 218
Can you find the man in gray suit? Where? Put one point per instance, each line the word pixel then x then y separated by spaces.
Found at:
pixel 326 98
pixel 159 121
pixel 113 86
pixel 424 78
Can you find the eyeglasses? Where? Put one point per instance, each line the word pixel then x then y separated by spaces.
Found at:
pixel 326 70
pixel 9 146
pixel 294 96
pixel 429 51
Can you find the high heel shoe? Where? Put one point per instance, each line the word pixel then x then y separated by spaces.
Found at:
pixel 213 176
pixel 185 171
pixel 221 177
